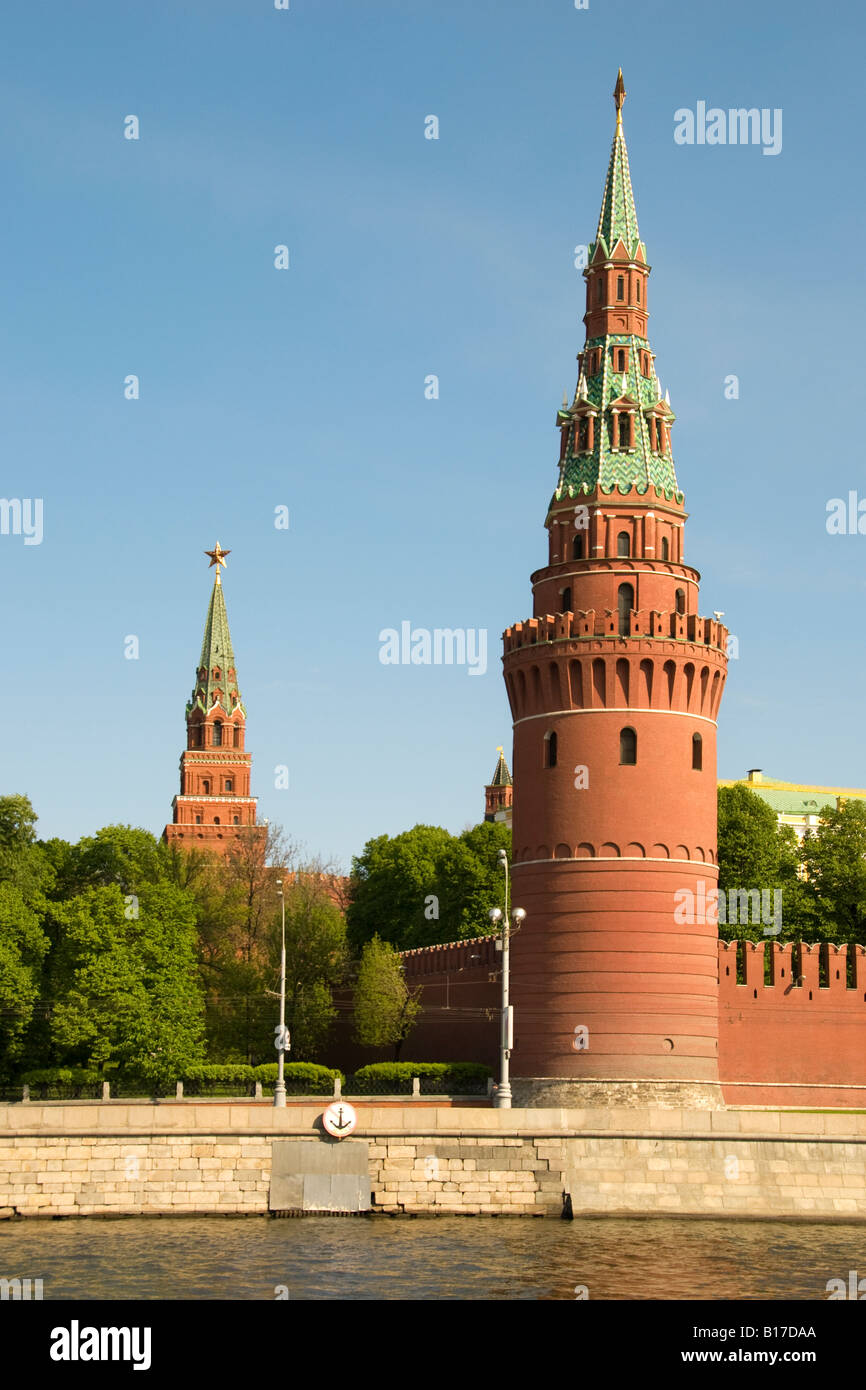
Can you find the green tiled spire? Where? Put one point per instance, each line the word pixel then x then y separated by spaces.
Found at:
pixel 618 216
pixel 607 389
pixel 501 776
pixel 606 467
pixel 216 679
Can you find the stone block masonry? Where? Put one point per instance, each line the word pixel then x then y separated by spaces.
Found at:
pixel 213 1158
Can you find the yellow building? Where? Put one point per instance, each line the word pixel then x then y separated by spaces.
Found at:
pixel 795 803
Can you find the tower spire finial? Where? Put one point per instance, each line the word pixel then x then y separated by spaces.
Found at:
pixel 216 558
pixel 619 96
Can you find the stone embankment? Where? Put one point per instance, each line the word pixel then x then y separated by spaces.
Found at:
pixel 197 1158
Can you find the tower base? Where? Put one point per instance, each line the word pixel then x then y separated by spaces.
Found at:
pixel 532 1092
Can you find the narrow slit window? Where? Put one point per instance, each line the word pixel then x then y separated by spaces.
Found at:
pixel 550 750
pixel 625 604
pixel 627 748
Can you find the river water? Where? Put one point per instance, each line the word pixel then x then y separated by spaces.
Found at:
pixel 501 1258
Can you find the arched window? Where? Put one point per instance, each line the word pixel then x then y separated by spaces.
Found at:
pixel 236 820
pixel 620 287
pixel 637 288
pixel 625 603
pixel 577 548
pixel 627 747
pixel 681 601
pixel 205 786
pixel 697 753
pixel 550 750
pixel 598 290
pixel 665 548
pixel 566 601
pixel 217 734
pixel 198 820
pixel 624 430
pixel 582 434
pixel 620 360
pixel 623 543
pixel 216 820
pixel 229 784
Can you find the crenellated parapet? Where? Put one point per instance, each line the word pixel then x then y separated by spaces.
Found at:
pixel 792 973
pixel 588 623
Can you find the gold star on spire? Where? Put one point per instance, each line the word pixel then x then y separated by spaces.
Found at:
pixel 216 558
pixel 619 96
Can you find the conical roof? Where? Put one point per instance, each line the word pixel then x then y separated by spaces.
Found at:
pixel 618 217
pixel 216 678
pixel 501 776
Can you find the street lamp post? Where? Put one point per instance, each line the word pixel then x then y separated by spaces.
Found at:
pixel 281 1041
pixel 512 920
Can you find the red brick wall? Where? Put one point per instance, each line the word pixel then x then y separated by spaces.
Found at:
pixel 779 1044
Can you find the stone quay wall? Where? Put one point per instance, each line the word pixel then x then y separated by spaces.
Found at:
pixel 205 1158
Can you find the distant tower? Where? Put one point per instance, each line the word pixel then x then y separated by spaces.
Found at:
pixel 615 685
pixel 499 795
pixel 214 801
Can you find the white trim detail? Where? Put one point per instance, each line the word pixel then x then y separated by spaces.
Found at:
pixel 615 709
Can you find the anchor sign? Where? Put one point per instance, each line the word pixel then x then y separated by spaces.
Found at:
pixel 282 1041
pixel 339 1119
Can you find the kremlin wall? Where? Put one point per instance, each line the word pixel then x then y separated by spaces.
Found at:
pixel 796 1042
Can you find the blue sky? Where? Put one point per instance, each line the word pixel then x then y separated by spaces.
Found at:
pixel 305 387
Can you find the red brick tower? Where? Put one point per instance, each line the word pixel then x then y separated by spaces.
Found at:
pixel 214 801
pixel 499 794
pixel 615 685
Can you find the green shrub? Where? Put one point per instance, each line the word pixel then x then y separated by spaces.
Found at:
pixel 304 1076
pixel 61 1076
pixel 404 1071
pixel 322 1078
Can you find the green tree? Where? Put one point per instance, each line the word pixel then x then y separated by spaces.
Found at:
pixel 393 882
pixel 23 862
pixel 470 882
pixel 425 886
pixel 749 847
pixel 123 985
pixel 118 854
pixel 385 1009
pixel 316 956
pixel 834 891
pixel 23 946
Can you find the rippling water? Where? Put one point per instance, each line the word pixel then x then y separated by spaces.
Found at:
pixel 436 1258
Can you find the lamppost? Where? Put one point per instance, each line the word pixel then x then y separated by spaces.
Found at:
pixel 281 1039
pixel 512 921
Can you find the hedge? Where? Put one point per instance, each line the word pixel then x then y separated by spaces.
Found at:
pixel 62 1076
pixel 404 1071
pixel 267 1073
pixel 225 1072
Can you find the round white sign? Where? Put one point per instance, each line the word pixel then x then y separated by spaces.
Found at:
pixel 339 1119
